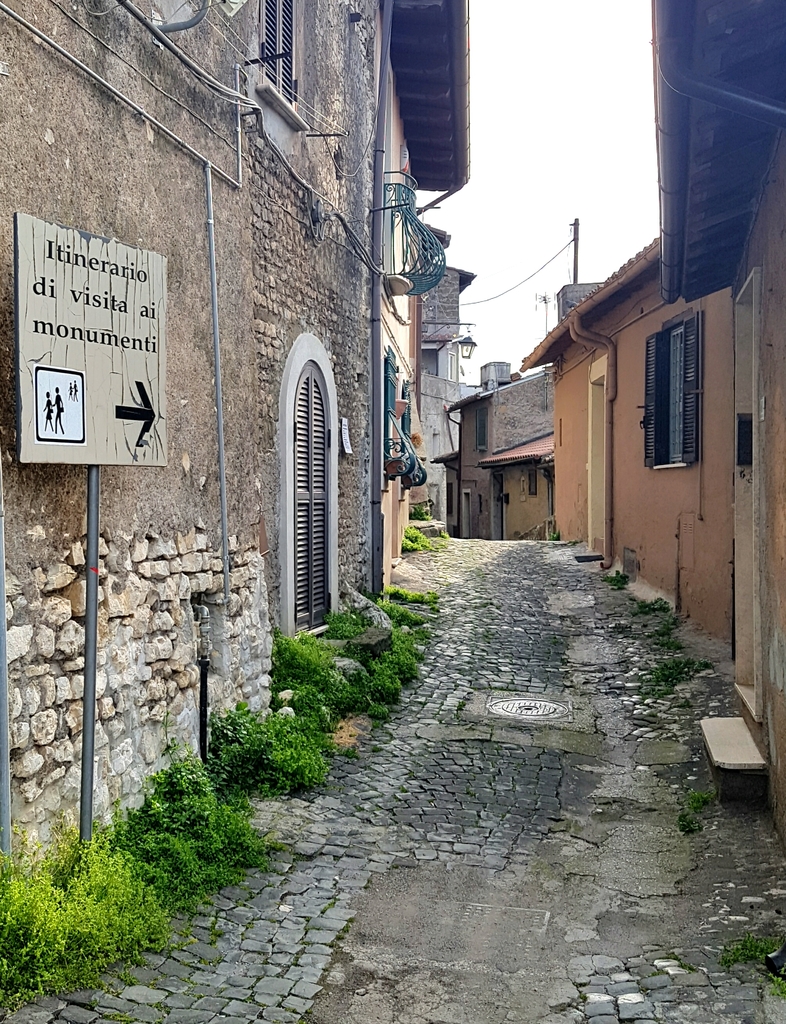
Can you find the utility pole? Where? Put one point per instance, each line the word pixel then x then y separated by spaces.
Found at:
pixel 576 251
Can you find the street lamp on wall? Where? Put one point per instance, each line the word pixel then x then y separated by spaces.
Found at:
pixel 467 346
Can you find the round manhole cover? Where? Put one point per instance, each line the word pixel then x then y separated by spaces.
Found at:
pixel 530 708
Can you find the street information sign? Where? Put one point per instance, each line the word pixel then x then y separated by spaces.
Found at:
pixel 90 348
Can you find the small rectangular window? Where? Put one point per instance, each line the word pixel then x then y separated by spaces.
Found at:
pixel 672 395
pixel 533 482
pixel 450 499
pixel 278 46
pixel 480 504
pixel 482 429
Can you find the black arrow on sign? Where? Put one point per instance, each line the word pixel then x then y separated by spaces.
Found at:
pixel 143 412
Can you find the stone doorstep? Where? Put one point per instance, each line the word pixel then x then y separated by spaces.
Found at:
pixel 738 768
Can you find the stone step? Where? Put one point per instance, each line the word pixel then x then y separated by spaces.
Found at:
pixel 739 770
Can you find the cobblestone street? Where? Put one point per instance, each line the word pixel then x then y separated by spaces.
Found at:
pixel 477 868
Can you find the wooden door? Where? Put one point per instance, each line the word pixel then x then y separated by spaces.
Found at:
pixel 312 439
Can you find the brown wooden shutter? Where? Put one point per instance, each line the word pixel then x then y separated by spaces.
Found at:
pixel 311 515
pixel 656 400
pixel 691 399
pixel 279 40
pixel 649 402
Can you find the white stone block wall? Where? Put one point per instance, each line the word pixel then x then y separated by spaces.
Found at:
pixel 147 685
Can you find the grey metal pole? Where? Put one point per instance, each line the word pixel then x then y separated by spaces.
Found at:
pixel 222 476
pixel 576 251
pixel 5 725
pixel 238 131
pixel 91 642
pixel 377 227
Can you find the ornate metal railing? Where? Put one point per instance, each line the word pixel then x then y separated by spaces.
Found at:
pixel 412 251
pixel 401 459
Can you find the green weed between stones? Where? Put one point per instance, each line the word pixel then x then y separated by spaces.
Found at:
pixel 749 949
pixel 661 680
pixel 430 598
pixel 617 580
pixel 695 802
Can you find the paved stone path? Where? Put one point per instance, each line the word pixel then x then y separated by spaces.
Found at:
pixel 471 868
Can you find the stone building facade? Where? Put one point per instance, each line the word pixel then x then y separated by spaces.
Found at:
pixel 501 414
pixel 292 293
pixel 137 130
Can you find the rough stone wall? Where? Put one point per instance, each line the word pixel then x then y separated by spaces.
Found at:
pixel 88 161
pixel 147 684
pixel 305 286
pixel 439 436
pixel 521 411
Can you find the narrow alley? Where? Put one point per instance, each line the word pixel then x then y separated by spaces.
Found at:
pixel 473 867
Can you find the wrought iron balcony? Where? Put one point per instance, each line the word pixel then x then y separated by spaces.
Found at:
pixel 401 459
pixel 412 251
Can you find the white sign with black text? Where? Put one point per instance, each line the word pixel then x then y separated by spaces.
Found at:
pixel 90 347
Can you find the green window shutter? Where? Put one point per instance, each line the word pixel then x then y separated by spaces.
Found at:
pixel 692 385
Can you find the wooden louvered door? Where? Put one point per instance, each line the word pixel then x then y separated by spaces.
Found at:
pixel 311 501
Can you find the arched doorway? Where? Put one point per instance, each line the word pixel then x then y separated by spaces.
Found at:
pixel 307 545
pixel 311 444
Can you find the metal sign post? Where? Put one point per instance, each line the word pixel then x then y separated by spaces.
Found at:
pixel 5 725
pixel 91 389
pixel 91 647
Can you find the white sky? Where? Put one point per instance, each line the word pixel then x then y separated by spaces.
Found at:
pixel 562 126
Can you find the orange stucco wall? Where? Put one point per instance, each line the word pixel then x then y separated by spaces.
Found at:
pixel 677 523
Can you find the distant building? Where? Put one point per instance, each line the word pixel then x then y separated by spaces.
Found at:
pixel 502 414
pixel 440 387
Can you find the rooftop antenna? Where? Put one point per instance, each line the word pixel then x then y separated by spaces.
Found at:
pixel 545 298
pixel 576 251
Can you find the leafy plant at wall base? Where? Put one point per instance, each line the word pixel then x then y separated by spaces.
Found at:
pixel 65 919
pixel 414 540
pixel 617 580
pixel 688 823
pixel 401 616
pixel 420 513
pixel 344 625
pixel 413 596
pixel 554 535
pixel 186 842
pixel 658 606
pixel 750 948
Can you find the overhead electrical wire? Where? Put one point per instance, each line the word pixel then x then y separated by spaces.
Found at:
pixel 479 302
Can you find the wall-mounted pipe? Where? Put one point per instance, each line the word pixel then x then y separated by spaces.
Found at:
pixel 222 474
pixel 202 615
pixel 582 335
pixel 377 224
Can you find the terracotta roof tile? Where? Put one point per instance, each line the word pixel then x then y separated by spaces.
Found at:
pixel 537 449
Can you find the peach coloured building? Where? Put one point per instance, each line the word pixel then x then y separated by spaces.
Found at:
pixel 644 461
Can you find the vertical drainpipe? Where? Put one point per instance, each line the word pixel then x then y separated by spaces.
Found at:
pixel 222 476
pixel 582 335
pixel 377 225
